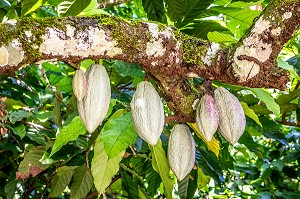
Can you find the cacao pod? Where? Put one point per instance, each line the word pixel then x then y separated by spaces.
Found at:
pixel 94 106
pixel 79 84
pixel 181 151
pixel 232 121
pixel 207 116
pixel 147 112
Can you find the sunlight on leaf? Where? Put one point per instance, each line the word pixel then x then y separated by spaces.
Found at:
pixel 212 145
pixel 250 113
pixel 161 165
pixel 103 169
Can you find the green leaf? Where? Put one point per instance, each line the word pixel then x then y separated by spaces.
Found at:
pixel 112 103
pixel 284 65
pixel 280 137
pixel 187 10
pixel 244 16
pixel 103 169
pixel 143 194
pixel 43 116
pixel 201 29
pixel 19 115
pixel 117 134
pixel 288 194
pixel 36 137
pixel 116 187
pixel 250 113
pixel 183 187
pixel 267 99
pixel 208 162
pixel 286 98
pixel 11 185
pixel 192 188
pixel 278 164
pixel 61 180
pixel 72 8
pixel 56 114
pixel 126 69
pixel 212 145
pixel 20 130
pixel 65 84
pixel 29 6
pixel 203 179
pixel 12 14
pixel 221 37
pixel 5 4
pixel 13 104
pixel 82 182
pixel 31 164
pixel 68 133
pixel 92 9
pixel 161 165
pixel 85 64
pixel 155 10
pixel 130 184
pixel 248 141
pixel 153 179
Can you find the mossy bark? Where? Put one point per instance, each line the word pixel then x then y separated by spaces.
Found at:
pixel 167 54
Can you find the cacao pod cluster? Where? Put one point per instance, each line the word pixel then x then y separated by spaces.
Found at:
pixel 92 90
pixel 223 112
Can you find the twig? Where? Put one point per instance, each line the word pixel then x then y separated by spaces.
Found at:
pixel 124 86
pixel 117 177
pixel 92 195
pixel 283 118
pixel 37 126
pixel 30 188
pixel 134 173
pixel 143 156
pixel 112 193
pixel 133 151
pixel 49 179
pixel 60 98
pixel 18 143
pixel 46 78
pixel 87 159
pixel 288 123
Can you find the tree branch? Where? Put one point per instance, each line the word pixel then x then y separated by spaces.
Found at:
pixel 170 56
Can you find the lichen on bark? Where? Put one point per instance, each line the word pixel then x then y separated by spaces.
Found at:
pixel 164 52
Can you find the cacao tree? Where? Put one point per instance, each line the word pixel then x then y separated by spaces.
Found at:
pixel 80 81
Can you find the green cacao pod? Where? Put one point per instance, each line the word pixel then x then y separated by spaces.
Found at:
pixel 79 84
pixel 232 120
pixel 207 116
pixel 94 106
pixel 147 112
pixel 181 151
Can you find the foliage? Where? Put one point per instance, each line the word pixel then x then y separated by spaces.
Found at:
pixel 46 151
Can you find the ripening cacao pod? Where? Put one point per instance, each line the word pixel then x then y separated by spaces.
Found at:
pixel 79 84
pixel 94 106
pixel 181 151
pixel 207 116
pixel 147 112
pixel 232 121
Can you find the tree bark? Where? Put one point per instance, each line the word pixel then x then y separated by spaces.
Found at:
pixel 170 56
